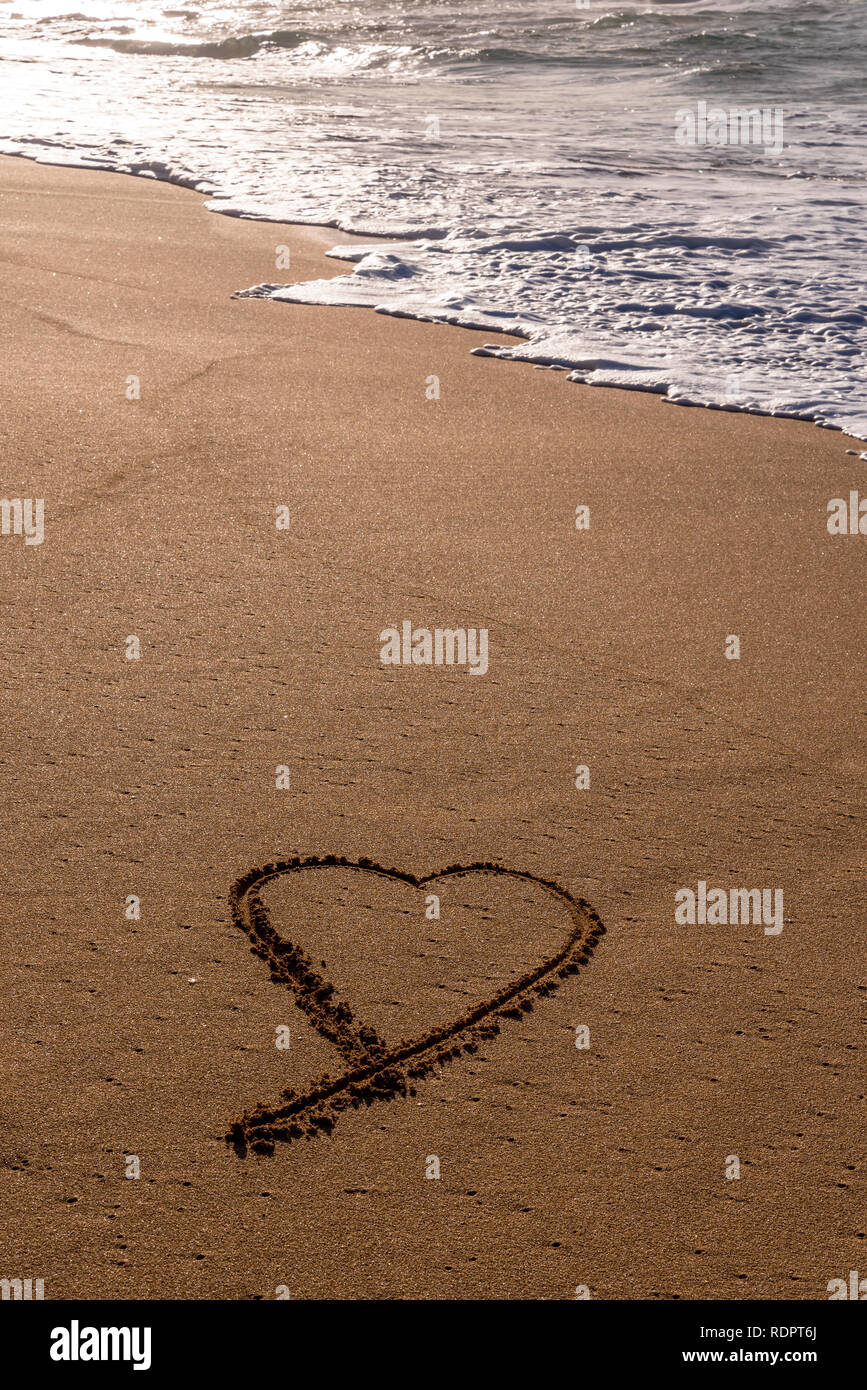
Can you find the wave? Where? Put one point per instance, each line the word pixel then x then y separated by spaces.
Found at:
pixel 235 46
pixel 519 174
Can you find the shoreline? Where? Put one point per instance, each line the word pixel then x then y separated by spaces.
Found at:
pixel 351 238
pixel 158 778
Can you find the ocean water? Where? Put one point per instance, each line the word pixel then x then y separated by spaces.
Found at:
pixel 517 163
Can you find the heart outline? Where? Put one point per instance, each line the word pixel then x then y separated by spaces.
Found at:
pixel 378 1072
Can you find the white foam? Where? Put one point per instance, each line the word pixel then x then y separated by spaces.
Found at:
pixel 763 356
pixel 518 169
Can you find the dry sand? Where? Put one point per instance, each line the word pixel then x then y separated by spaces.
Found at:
pixel 560 1167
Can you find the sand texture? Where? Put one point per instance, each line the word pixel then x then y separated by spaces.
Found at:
pixel 605 1167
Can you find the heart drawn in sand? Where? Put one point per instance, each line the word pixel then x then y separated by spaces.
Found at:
pixel 376 1070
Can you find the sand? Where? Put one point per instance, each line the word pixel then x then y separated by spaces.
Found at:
pixel 606 1168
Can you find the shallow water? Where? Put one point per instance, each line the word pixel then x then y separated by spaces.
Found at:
pixel 520 164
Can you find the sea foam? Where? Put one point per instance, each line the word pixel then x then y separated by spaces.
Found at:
pixel 519 171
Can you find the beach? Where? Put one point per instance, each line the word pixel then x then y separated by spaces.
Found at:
pixel 166 424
